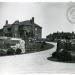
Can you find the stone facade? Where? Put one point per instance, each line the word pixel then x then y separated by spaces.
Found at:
pixel 23 29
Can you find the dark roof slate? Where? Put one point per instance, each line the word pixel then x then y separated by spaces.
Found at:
pixel 27 22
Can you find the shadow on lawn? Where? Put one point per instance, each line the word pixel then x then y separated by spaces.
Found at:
pixel 61 61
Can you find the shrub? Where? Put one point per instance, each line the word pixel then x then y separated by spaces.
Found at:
pixel 65 56
pixel 54 54
pixel 18 51
pixel 2 53
pixel 10 51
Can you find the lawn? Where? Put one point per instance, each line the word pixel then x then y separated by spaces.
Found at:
pixel 37 46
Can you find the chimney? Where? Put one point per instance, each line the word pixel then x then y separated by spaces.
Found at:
pixel 6 22
pixel 32 20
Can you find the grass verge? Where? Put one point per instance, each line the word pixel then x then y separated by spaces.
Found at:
pixel 37 47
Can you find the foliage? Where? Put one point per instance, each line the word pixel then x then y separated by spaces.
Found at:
pixel 18 51
pixel 10 51
pixel 2 53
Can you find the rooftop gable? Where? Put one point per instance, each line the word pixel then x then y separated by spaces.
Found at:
pixel 27 22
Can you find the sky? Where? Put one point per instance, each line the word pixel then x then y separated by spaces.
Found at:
pixel 50 16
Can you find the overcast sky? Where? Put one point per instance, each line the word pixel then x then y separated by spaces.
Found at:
pixel 50 16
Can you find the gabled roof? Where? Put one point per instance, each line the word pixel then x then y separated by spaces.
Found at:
pixel 27 22
pixel 9 25
pixel 16 22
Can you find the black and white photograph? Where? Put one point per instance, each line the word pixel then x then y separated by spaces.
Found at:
pixel 37 37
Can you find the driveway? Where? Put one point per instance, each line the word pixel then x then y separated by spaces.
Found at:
pixel 34 63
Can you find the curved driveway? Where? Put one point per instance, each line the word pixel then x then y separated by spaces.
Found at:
pixel 34 63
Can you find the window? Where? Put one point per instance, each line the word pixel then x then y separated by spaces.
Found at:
pixel 35 29
pixel 9 29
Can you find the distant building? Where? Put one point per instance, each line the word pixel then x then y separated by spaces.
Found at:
pixel 60 35
pixel 22 29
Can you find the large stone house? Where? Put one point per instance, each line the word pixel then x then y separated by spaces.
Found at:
pixel 24 29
